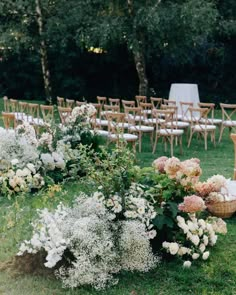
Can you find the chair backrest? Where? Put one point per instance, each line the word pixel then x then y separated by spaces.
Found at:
pixel 48 113
pixel 70 103
pixel 184 106
pixel 128 103
pixel 146 108
pixel 111 108
pixel 114 101
pixel 60 101
pixel 98 108
pixel 170 107
pixel 80 103
pixel 23 111
pixel 64 114
pixel 140 98
pixel 210 106
pixel 168 123
pixel 9 120
pixel 33 110
pixel 156 102
pixel 13 105
pixel 6 103
pixel 133 115
pixel 197 114
pixel 116 122
pixel 101 100
pixel 169 102
pixel 228 112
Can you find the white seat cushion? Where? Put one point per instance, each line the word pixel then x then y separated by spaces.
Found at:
pixel 170 131
pixel 204 127
pixel 125 136
pixel 153 121
pixel 178 124
pixel 100 122
pixel 229 123
pixel 142 128
pixel 211 121
pixel 102 132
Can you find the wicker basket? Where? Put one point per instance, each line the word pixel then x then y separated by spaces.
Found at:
pixel 223 209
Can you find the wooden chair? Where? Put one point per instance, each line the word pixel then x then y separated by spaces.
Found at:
pixel 70 103
pixel 6 104
pixel 101 100
pixel 233 137
pixel 177 124
pixel 64 114
pixel 211 116
pixel 134 117
pixel 156 102
pixel 140 98
pixel 114 101
pixel 48 113
pixel 128 103
pixel 199 124
pixel 185 114
pixel 165 129
pixel 34 117
pixel 80 103
pixel 13 105
pixel 169 102
pixel 9 120
pixel 228 118
pixel 116 126
pixel 60 101
pixel 23 111
pixel 100 121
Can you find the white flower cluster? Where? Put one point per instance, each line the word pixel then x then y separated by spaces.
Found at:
pixel 46 140
pixel 52 161
pixel 21 180
pixel 28 132
pixel 200 233
pixel 85 110
pixel 13 146
pixel 99 245
pixel 136 207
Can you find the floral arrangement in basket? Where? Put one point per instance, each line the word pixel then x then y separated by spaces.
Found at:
pixel 219 196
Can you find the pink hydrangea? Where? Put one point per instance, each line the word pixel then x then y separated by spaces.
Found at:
pixel 172 166
pixel 219 181
pixel 192 204
pixel 191 168
pixel 203 189
pixel 159 164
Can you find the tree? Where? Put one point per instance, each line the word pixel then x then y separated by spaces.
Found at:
pixel 141 24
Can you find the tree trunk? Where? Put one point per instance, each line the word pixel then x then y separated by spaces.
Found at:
pixel 138 53
pixel 43 53
pixel 141 71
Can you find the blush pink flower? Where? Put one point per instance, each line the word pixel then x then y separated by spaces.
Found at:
pixel 192 204
pixel 159 164
pixel 191 168
pixel 203 189
pixel 172 166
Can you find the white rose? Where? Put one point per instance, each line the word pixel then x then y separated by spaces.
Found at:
pixel 195 256
pixel 31 167
pixel 14 162
pixel 173 248
pixel 195 240
pixel 187 264
pixel 165 245
pixel 205 240
pixel 205 255
pixel 202 247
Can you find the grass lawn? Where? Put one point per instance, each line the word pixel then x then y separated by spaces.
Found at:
pixel 216 276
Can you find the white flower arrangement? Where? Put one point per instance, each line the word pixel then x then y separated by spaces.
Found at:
pixel 199 233
pixel 101 247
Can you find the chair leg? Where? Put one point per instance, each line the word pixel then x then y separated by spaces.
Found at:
pixel 155 144
pixel 140 142
pixel 205 140
pixel 221 132
pixel 171 146
pixel 190 138
pixel 180 145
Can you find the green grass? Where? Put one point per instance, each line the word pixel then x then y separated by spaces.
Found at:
pixel 217 276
